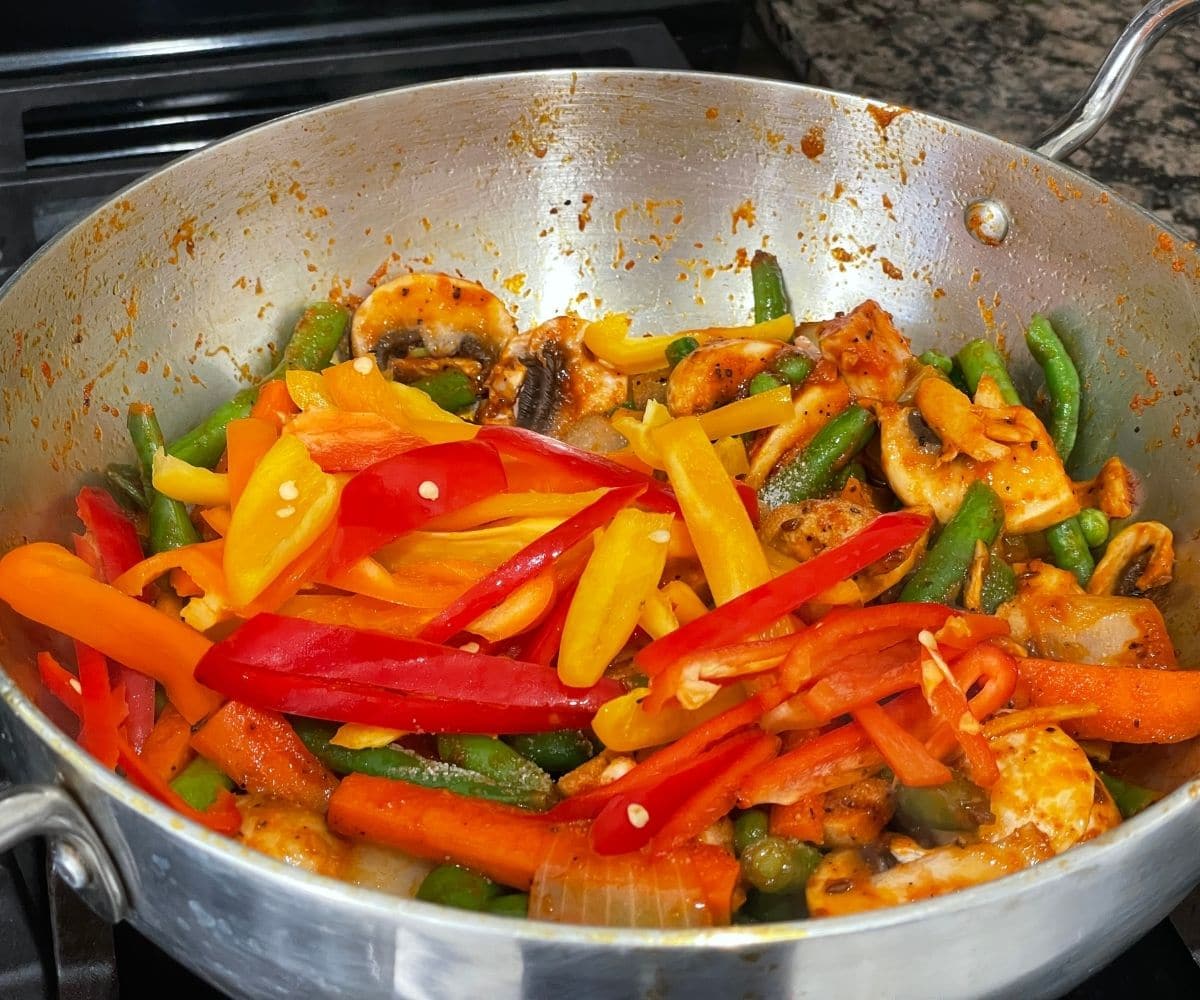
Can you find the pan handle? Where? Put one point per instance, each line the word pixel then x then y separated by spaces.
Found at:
pixel 76 851
pixel 1093 109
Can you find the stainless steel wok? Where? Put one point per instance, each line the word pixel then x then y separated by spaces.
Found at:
pixel 593 190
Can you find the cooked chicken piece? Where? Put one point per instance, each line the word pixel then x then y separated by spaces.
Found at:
pixel 1140 558
pixel 822 398
pixel 872 355
pixel 419 323
pixel 717 373
pixel 291 834
pixel 1046 780
pixel 851 881
pixel 921 468
pixel 856 815
pixel 1085 628
pixel 1113 490
pixel 547 380
pixel 1046 579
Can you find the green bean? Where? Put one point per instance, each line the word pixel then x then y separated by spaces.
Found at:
pixel 499 762
pixel 763 382
pixel 749 827
pixel 779 864
pixel 404 765
pixel 979 358
pixel 793 368
pixel 940 577
pixel 855 470
pixel 556 752
pixel 1069 549
pixel 314 338
pixel 957 806
pixel 200 783
pixel 1094 525
pixel 679 349
pixel 936 359
pixel 770 908
pixel 125 483
pixel 1062 383
pixel 204 444
pixel 999 585
pixel 770 296
pixel 170 527
pixel 811 472
pixel 958 379
pixel 1130 799
pixel 462 888
pixel 450 388
pixel 513 904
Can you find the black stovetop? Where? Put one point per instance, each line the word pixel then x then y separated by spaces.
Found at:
pixel 131 85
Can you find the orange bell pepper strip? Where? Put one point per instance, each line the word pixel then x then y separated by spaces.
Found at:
pixel 724 537
pixel 520 610
pixel 906 755
pixel 274 403
pixel 47 584
pixel 1134 705
pixel 418 585
pixel 246 442
pixel 625 566
pixel 355 611
pixel 802 820
pixel 262 753
pixel 168 748
pixel 341 441
pixel 508 505
pixel 285 507
pixel 217 518
pixel 200 561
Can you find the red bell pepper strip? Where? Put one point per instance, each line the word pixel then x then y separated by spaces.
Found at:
pixel 530 561
pixel 949 706
pixel 110 546
pixel 894 670
pixel 758 609
pixel 222 816
pixel 98 735
pixel 628 821
pixel 905 754
pixel 61 683
pixel 401 493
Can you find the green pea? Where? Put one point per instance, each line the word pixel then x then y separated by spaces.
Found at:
pixel 750 826
pixel 793 368
pixel 679 349
pixel 763 382
pixel 779 864
pixel 514 904
pixel 451 885
pixel 1094 524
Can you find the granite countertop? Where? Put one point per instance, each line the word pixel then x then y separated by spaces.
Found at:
pixel 1012 67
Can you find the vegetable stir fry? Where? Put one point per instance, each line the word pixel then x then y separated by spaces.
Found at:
pixel 725 625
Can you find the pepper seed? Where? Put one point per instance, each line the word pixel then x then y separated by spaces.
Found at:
pixel 661 536
pixel 637 815
pixel 285 511
pixel 363 365
pixel 288 490
pixel 428 490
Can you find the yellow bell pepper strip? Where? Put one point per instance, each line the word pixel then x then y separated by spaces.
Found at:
pixel 732 454
pixel 608 338
pixel 725 540
pixel 624 725
pixel 506 506
pixel 175 478
pixel 356 736
pixel 489 546
pixel 307 390
pixel 47 584
pixel 521 610
pixel 636 430
pixel 287 504
pixel 765 409
pixel 657 617
pixel 624 568
pixel 359 386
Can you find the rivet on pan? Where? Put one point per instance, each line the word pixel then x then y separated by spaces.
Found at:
pixel 987 220
pixel 69 866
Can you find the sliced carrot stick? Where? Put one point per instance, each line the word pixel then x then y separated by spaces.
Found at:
pixel 503 842
pixel 716 798
pixel 905 754
pixel 262 753
pixel 246 441
pixel 222 816
pixel 1135 705
pixel 802 820
pixel 168 748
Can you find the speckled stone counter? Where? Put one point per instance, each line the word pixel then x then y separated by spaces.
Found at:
pixel 1012 67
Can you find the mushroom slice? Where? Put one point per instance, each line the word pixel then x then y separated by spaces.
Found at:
pixel 822 397
pixel 418 324
pixel 716 373
pixel 1113 490
pixel 547 380
pixel 872 355
pixel 1140 558
pixel 961 425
